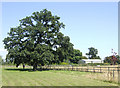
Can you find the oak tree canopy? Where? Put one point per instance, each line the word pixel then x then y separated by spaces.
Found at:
pixel 38 41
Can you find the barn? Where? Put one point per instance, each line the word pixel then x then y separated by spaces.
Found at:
pixel 91 61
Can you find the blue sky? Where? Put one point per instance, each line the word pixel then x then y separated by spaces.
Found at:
pixel 88 24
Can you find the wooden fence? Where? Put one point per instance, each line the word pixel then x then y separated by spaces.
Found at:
pixel 98 69
pixel 112 73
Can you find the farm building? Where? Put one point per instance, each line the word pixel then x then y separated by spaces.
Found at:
pixel 91 61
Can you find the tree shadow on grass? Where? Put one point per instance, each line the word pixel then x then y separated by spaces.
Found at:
pixel 26 69
pixel 17 69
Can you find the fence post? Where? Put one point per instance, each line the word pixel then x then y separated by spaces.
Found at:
pixel 69 68
pixel 87 69
pixel 81 69
pixel 58 67
pixel 118 74
pixel 108 69
pixel 72 67
pixel 93 69
pixel 53 67
pixel 113 74
pixel 46 67
pixel 100 70
pixel 108 73
pixel 77 68
pixel 65 67
pixel 50 67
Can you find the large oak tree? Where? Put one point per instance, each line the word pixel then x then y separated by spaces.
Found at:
pixel 38 40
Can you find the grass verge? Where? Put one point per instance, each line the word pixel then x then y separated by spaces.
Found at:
pixel 18 77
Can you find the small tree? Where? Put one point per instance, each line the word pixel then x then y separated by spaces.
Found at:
pixel 112 60
pixel 93 53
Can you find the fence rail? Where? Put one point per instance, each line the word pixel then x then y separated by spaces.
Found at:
pixel 83 68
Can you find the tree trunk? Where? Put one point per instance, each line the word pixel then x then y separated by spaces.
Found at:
pixel 23 66
pixel 17 65
pixel 35 67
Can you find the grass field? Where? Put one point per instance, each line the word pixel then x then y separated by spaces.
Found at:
pixel 17 77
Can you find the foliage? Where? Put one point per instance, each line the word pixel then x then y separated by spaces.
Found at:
pixel 64 63
pixel 84 57
pixel 77 55
pixel 80 62
pixel 93 53
pixel 112 59
pixel 106 63
pixel 1 60
pixel 95 64
pixel 38 40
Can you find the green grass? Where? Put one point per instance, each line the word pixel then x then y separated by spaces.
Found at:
pixel 17 77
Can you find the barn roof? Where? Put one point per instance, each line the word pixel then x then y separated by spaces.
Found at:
pixel 92 59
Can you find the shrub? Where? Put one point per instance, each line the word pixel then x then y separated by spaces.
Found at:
pixel 64 63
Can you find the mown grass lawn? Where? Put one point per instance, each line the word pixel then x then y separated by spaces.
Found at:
pixel 16 77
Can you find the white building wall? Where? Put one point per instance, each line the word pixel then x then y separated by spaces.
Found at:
pixel 92 61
